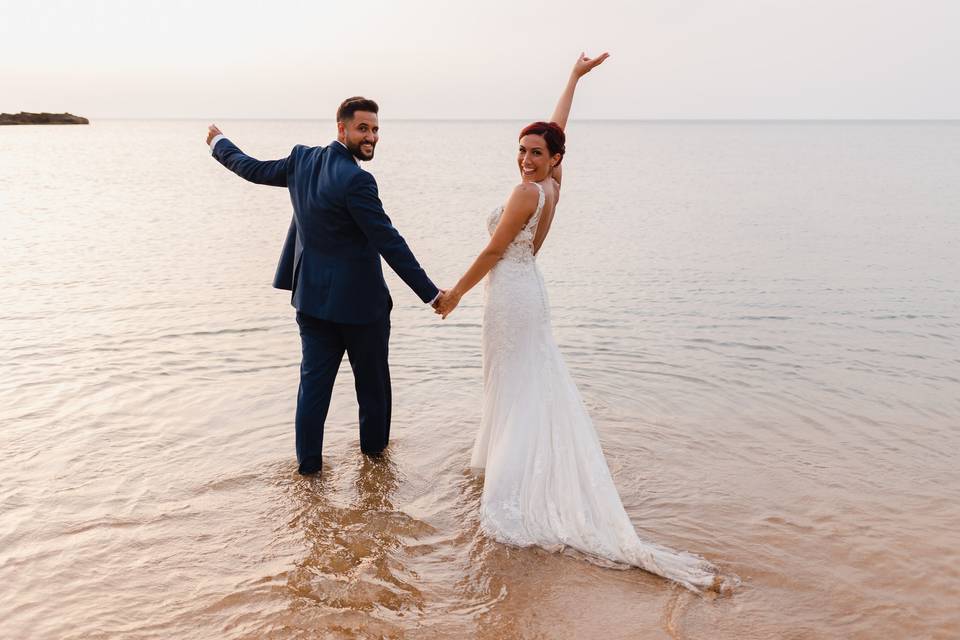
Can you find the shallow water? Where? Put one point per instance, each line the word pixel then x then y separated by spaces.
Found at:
pixel 763 319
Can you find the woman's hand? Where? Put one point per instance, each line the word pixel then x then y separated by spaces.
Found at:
pixel 448 302
pixel 583 65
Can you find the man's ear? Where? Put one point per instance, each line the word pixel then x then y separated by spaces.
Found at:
pixel 341 129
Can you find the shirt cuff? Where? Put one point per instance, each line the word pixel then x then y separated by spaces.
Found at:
pixel 435 298
pixel 216 139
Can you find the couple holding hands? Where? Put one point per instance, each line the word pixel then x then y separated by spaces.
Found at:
pixel 546 481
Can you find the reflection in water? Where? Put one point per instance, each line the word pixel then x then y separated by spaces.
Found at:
pixel 524 592
pixel 482 582
pixel 351 575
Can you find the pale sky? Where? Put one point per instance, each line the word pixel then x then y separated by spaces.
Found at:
pixel 482 59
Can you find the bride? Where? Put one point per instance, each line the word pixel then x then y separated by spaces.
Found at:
pixel 546 481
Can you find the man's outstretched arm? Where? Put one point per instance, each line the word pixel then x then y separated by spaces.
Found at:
pixel 272 172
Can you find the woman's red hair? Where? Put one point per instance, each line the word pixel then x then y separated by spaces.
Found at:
pixel 552 134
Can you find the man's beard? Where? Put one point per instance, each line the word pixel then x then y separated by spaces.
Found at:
pixel 358 153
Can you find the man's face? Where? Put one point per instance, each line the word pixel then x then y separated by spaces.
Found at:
pixel 360 134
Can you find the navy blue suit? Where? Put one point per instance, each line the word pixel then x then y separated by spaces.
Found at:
pixel 331 264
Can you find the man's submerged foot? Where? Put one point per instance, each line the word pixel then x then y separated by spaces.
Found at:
pixel 309 469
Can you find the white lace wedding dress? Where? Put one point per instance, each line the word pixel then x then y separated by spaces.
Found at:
pixel 546 481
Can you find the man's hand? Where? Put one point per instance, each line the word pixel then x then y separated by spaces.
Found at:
pixel 212 133
pixel 436 302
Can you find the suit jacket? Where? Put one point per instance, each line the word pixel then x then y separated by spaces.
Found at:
pixel 331 257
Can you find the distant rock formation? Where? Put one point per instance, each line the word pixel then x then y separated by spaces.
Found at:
pixel 41 118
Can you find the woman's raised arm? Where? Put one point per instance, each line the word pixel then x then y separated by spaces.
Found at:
pixel 581 67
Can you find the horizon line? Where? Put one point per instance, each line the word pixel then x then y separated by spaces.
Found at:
pixel 652 120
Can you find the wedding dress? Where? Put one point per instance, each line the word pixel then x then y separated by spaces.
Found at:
pixel 546 481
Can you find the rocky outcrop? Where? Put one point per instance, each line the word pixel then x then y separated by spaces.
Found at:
pixel 41 118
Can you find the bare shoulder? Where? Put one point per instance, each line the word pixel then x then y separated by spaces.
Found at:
pixel 522 203
pixel 525 193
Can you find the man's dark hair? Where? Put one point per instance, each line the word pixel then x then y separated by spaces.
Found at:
pixel 357 103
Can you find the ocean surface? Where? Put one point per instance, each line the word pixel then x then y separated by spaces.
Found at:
pixel 763 320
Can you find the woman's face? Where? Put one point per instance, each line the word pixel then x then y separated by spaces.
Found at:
pixel 534 158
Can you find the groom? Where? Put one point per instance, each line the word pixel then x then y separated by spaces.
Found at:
pixel 331 264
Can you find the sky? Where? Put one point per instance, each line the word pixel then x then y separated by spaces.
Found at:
pixel 491 59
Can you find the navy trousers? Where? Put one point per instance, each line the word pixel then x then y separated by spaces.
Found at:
pixel 323 343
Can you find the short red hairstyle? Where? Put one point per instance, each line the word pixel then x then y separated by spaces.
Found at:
pixel 552 134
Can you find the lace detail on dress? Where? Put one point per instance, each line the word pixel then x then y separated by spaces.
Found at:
pixel 521 249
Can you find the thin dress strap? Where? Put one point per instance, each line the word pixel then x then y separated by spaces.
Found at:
pixel 535 218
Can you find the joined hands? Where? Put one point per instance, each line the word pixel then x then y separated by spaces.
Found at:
pixel 447 302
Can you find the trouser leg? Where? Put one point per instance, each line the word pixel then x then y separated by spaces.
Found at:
pixel 367 347
pixel 322 350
